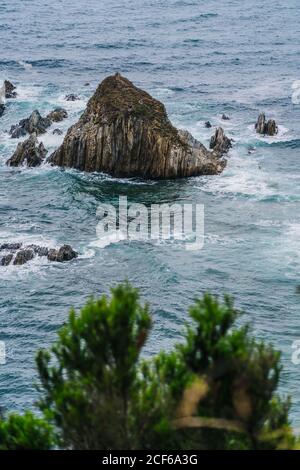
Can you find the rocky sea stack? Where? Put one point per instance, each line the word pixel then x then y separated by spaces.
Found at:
pixel 265 127
pixel 125 132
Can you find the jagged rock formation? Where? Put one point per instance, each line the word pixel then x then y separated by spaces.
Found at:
pixel 225 117
pixel 17 254
pixel 220 142
pixel 29 153
pixel 125 132
pixel 266 127
pixel 34 124
pixel 9 90
pixel 57 115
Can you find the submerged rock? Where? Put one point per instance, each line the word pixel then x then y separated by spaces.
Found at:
pixel 57 115
pixel 266 127
pixel 9 90
pixel 72 97
pixel 17 254
pixel 220 142
pixel 207 125
pixel 57 132
pixel 251 150
pixel 29 153
pixel 2 109
pixel 34 124
pixel 125 132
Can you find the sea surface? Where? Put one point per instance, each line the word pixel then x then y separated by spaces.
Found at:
pixel 202 59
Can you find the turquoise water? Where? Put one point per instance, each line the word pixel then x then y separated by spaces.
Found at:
pixel 201 59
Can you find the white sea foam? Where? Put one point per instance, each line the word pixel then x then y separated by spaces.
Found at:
pixel 25 65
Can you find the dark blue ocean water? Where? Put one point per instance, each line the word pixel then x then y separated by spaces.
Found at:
pixel 201 58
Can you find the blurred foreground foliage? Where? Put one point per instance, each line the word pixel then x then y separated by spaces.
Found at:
pixel 215 390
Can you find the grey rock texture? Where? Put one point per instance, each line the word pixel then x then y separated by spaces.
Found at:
pixel 126 133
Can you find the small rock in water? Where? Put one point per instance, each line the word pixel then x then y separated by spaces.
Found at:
pixel 2 109
pixel 251 150
pixel 264 127
pixel 9 90
pixel 207 125
pixel 220 142
pixel 65 253
pixel 34 124
pixel 72 97
pixel 225 117
pixel 87 84
pixel 23 257
pixel 57 132
pixel 29 153
pixel 57 115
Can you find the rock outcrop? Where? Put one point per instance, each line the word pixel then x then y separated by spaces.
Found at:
pixel 2 109
pixel 9 90
pixel 65 253
pixel 219 142
pixel 34 124
pixel 126 133
pixel 265 127
pixel 17 254
pixel 28 153
pixel 225 117
pixel 207 125
pixel 57 115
